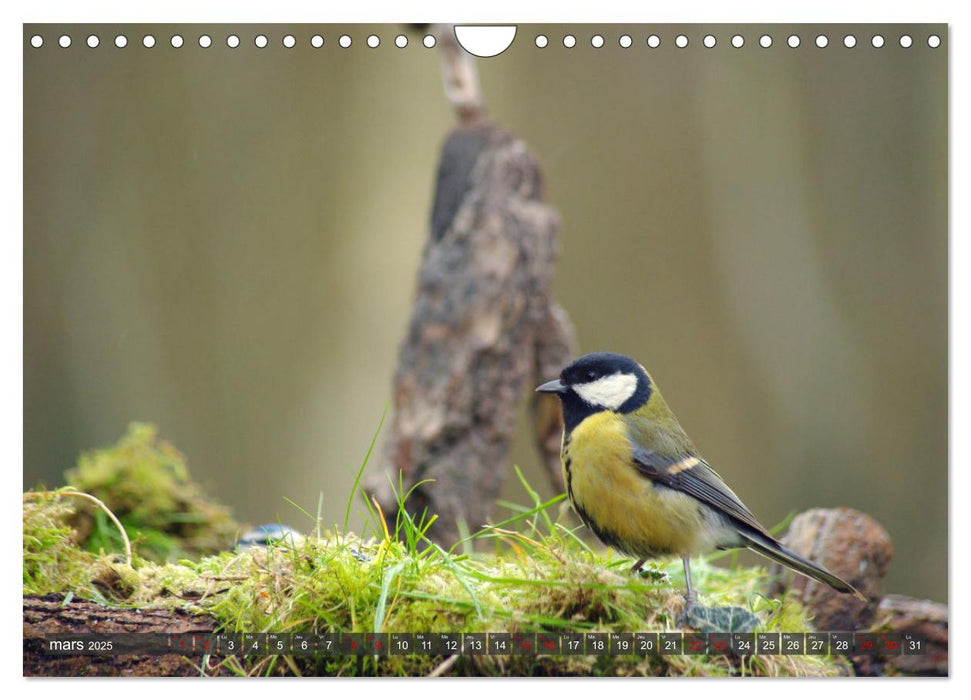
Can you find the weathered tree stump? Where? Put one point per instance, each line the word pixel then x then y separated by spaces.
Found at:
pixel 483 333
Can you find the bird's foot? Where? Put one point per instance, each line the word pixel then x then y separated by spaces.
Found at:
pixel 690 603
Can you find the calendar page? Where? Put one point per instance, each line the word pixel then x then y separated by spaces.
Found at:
pixel 344 344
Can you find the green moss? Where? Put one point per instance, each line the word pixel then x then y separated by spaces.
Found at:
pixel 52 560
pixel 144 481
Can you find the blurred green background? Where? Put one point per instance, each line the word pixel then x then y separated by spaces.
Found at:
pixel 224 242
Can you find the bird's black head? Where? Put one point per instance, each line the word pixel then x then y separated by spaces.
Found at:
pixel 600 381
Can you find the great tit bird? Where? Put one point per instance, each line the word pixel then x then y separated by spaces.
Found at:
pixel 635 478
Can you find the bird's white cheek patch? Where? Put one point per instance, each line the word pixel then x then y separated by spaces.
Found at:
pixel 609 392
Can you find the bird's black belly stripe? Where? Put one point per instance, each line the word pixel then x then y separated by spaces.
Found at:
pixel 569 477
pixel 567 463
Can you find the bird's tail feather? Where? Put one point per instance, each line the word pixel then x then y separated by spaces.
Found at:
pixel 776 552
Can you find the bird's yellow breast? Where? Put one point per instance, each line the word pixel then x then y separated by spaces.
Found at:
pixel 625 509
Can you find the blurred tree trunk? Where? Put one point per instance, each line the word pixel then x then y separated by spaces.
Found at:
pixel 484 332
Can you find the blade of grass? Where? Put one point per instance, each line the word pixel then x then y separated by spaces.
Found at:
pixel 572 533
pixel 509 505
pixel 381 607
pixel 460 577
pixel 464 535
pixel 300 509
pixel 320 517
pixel 535 496
pixel 367 456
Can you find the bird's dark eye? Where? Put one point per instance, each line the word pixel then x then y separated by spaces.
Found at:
pixel 591 375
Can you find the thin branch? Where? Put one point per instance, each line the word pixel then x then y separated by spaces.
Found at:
pixel 460 76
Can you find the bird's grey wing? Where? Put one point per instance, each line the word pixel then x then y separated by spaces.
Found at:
pixel 690 474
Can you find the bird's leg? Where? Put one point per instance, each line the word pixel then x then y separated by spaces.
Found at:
pixel 689 598
pixel 637 567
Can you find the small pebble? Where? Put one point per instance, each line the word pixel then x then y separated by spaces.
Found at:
pixel 270 533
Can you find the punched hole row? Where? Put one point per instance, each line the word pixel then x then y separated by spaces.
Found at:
pixel 260 41
pixel 710 41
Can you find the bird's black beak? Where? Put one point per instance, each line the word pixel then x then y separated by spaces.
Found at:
pixel 553 387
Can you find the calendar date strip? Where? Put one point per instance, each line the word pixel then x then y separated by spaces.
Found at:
pixel 489 643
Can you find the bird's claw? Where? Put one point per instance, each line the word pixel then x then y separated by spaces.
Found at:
pixel 684 619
